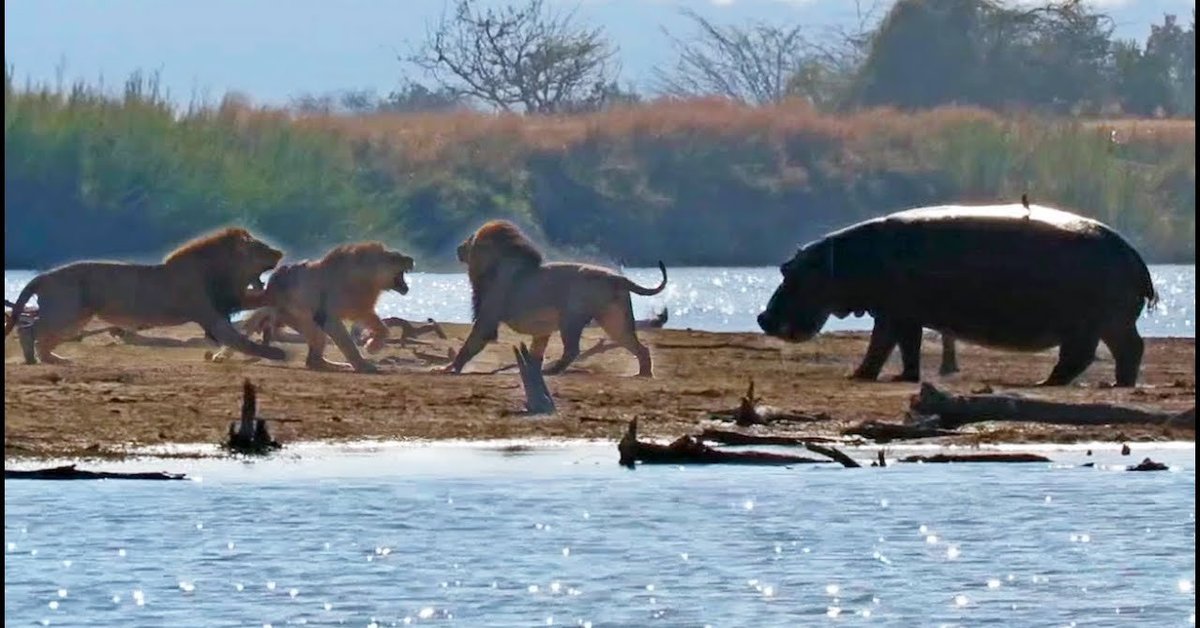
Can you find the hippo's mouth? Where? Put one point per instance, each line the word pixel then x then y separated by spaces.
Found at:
pixel 400 285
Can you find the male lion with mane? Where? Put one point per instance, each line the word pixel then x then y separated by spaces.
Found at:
pixel 314 297
pixel 511 284
pixel 203 281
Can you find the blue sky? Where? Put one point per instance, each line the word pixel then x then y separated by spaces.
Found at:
pixel 272 50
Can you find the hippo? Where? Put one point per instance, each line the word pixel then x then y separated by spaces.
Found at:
pixel 1016 277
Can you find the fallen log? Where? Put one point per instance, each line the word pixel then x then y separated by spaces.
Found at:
pixel 727 437
pixel 882 432
pixel 957 410
pixel 249 435
pixel 999 457
pixel 750 412
pixel 69 472
pixel 688 450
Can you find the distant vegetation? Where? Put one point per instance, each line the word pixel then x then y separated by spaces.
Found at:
pixel 736 178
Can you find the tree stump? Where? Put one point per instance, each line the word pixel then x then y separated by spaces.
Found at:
pixel 250 435
pixel 538 399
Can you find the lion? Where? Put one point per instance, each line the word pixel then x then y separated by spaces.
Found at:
pixel 313 297
pixel 203 281
pixel 511 284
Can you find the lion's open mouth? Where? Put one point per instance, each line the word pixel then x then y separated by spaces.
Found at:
pixel 400 285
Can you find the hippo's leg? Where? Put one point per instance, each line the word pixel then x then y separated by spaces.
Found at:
pixel 1075 354
pixel 909 337
pixel 949 356
pixel 1127 347
pixel 883 340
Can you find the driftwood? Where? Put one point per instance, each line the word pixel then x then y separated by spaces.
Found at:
pixel 882 432
pixel 689 450
pixel 69 472
pixel 832 453
pixel 749 412
pixel 538 399
pixel 999 457
pixel 957 410
pixel 727 437
pixel 249 435
pixel 409 331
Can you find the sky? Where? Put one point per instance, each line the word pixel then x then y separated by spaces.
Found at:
pixel 274 50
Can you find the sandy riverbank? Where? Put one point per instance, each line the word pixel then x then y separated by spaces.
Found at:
pixel 117 395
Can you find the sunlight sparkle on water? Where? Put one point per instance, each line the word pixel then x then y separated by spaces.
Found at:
pixel 1185 586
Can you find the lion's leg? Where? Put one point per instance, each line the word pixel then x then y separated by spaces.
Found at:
pixel 220 329
pixel 377 332
pixel 476 340
pixel 341 338
pixel 316 339
pixel 59 319
pixel 618 323
pixel 571 329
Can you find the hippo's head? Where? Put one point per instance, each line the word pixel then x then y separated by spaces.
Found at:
pixel 802 303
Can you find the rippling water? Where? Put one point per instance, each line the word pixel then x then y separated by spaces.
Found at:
pixel 564 537
pixel 722 299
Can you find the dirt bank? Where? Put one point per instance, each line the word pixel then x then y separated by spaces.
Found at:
pixel 117 394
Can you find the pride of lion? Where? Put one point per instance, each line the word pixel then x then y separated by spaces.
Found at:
pixel 216 275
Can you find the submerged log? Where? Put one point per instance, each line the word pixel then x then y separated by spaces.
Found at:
pixel 998 457
pixel 538 399
pixel 69 472
pixel 249 435
pixel 957 410
pixel 688 450
pixel 882 432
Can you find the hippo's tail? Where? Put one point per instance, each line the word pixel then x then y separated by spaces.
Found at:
pixel 1148 291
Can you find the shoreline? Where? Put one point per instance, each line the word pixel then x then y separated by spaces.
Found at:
pixel 123 401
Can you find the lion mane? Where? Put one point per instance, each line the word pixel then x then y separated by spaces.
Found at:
pixel 314 297
pixel 511 284
pixel 202 281
pixel 496 246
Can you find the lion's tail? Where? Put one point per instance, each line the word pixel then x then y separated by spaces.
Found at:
pixel 17 308
pixel 649 292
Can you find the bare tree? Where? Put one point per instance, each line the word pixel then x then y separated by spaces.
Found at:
pixel 763 63
pixel 518 56
pixel 750 64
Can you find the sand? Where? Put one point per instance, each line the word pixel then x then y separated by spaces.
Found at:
pixel 117 396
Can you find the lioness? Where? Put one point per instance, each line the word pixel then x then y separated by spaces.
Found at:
pixel 203 281
pixel 510 284
pixel 314 297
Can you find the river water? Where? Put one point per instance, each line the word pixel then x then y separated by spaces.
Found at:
pixel 560 535
pixel 721 299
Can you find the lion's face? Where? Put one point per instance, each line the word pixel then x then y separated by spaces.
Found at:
pixel 388 269
pixel 256 257
pixel 464 249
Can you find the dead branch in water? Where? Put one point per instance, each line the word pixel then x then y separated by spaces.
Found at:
pixel 833 454
pixel 1000 457
pixel 69 472
pixel 956 410
pixel 689 450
